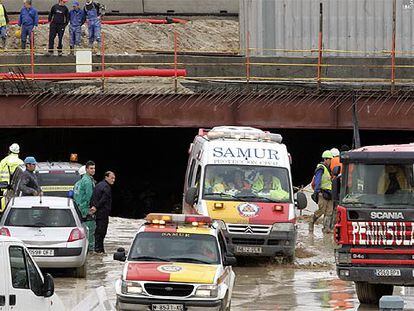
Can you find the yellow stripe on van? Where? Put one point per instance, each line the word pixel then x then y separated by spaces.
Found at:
pixel 56 188
pixel 228 213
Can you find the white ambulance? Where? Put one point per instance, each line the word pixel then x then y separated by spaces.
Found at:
pixel 241 177
pixel 22 285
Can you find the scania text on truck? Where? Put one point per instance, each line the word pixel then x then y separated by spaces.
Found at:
pixel 241 177
pixel 374 230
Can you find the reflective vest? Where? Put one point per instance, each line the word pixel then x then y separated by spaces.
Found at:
pixel 8 165
pixel 326 182
pixel 2 16
pixel 276 191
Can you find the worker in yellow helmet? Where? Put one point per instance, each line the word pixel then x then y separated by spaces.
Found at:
pixel 323 192
pixel 4 20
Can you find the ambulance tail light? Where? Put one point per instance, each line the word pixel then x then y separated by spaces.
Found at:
pixel 162 219
pixel 5 232
pixel 76 234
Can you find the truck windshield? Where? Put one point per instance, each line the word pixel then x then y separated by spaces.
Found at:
pixel 378 184
pixel 246 183
pixel 57 183
pixel 175 247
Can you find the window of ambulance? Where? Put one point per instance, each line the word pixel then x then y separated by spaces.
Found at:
pixel 57 183
pixel 175 247
pixel 40 217
pixel 378 185
pixel 247 182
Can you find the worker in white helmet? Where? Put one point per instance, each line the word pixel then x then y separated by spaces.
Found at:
pixel 7 167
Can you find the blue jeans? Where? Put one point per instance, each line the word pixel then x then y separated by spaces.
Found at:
pixel 94 28
pixel 75 33
pixel 26 32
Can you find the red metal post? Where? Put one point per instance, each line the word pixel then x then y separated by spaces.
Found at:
pixel 103 59
pixel 320 44
pixel 175 60
pixel 32 51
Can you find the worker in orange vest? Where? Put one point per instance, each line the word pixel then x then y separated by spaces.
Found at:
pixel 335 160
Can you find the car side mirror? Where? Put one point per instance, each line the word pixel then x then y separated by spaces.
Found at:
pixel 336 171
pixel 120 254
pixel 48 286
pixel 191 196
pixel 301 201
pixel 230 260
pixel 4 185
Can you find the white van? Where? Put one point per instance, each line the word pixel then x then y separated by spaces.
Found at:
pixel 241 177
pixel 22 285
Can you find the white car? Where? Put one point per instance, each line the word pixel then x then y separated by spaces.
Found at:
pixel 22 285
pixel 51 229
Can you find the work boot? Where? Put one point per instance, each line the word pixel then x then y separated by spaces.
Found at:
pixel 72 51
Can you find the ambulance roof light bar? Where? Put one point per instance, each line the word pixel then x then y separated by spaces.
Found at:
pixel 240 133
pixel 162 219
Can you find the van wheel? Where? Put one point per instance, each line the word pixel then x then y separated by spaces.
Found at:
pixel 80 272
pixel 371 293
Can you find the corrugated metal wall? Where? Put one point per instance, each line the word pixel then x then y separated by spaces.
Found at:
pixel 362 26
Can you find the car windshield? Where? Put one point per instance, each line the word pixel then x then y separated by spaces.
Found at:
pixel 378 185
pixel 175 247
pixel 57 183
pixel 40 217
pixel 246 183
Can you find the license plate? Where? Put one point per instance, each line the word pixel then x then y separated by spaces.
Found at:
pixel 388 272
pixel 248 249
pixel 42 252
pixel 167 307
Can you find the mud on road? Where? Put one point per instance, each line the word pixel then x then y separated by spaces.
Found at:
pixel 310 283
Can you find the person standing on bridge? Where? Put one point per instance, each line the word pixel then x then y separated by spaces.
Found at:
pixel 94 11
pixel 82 196
pixel 101 205
pixel 58 19
pixel 28 21
pixel 4 20
pixel 323 192
pixel 77 19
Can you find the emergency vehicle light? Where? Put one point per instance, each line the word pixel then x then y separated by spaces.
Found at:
pixel 162 219
pixel 245 135
pixel 4 231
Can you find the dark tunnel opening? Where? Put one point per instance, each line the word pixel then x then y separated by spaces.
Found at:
pixel 150 163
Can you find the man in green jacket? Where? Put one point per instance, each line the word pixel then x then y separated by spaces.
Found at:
pixel 83 190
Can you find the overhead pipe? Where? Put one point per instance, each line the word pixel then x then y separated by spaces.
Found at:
pixel 97 74
pixel 127 21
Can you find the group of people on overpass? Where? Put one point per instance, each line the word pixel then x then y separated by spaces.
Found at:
pixel 94 200
pixel 59 18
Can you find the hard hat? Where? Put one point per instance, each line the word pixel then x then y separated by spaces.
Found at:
pixel 18 33
pixel 75 3
pixel 14 148
pixel 327 154
pixel 30 160
pixel 335 152
pixel 82 170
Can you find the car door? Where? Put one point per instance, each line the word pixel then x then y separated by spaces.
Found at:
pixel 3 280
pixel 25 292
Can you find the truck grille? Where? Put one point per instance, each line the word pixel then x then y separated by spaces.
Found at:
pixel 248 229
pixel 167 289
pixel 241 241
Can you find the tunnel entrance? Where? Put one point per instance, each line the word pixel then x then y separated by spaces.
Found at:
pixel 150 163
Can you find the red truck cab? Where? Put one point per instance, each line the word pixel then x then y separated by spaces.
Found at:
pixel 374 229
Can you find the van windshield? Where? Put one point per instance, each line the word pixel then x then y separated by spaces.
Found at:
pixel 57 183
pixel 40 217
pixel 378 184
pixel 246 183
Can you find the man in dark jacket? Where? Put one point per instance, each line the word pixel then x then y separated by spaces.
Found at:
pixel 28 184
pixel 101 206
pixel 58 19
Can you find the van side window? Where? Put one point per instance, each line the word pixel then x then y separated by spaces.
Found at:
pixel 198 176
pixel 222 245
pixel 190 174
pixel 18 267
pixel 36 282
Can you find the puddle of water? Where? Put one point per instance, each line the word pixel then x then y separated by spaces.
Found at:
pixel 308 284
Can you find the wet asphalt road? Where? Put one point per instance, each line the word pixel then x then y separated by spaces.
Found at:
pixel 308 284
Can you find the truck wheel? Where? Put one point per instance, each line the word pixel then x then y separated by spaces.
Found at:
pixel 80 272
pixel 371 293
